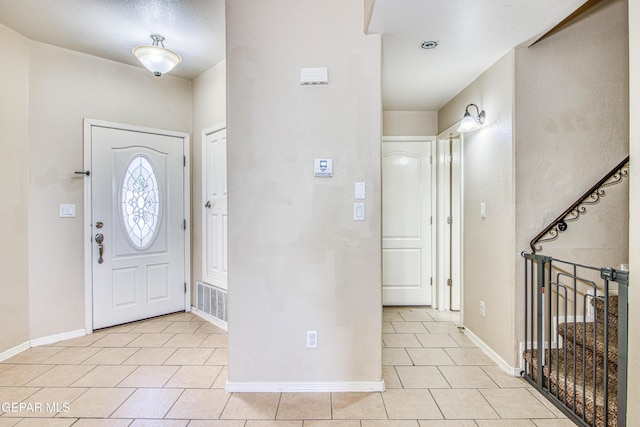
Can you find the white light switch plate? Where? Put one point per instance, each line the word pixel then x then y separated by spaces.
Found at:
pixel 358 211
pixel 360 190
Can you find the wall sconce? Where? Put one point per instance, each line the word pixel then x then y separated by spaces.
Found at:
pixel 468 122
pixel 156 58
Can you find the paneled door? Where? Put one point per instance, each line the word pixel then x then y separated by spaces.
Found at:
pixel 214 188
pixel 138 223
pixel 406 223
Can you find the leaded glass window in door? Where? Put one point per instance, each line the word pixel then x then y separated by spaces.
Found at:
pixel 140 199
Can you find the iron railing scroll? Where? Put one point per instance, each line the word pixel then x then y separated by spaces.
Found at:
pixel 579 207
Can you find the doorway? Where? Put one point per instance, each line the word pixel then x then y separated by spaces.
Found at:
pixel 136 210
pixel 407 221
pixel 214 205
pixel 449 221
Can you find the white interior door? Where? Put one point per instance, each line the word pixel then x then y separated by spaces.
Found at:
pixel 406 228
pixel 215 208
pixel 138 224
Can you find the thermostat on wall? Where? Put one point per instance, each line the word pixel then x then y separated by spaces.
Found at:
pixel 323 168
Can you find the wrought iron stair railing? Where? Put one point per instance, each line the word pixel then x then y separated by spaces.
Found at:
pixel 579 207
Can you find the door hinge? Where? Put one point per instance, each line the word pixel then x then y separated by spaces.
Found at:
pixel 430 159
pixel 449 220
pixel 184 224
pixel 431 220
pixel 184 161
pixel 185 287
pixel 449 282
pixel 430 281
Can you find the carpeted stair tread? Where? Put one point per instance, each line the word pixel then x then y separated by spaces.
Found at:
pixel 584 337
pixel 613 311
pixel 562 380
pixel 588 359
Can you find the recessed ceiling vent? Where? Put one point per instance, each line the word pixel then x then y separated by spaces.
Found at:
pixel 429 44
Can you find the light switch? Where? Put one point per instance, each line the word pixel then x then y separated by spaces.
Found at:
pixel 67 211
pixel 358 211
pixel 360 190
pixel 483 210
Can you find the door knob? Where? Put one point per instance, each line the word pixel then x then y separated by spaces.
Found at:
pixel 99 238
pixel 208 204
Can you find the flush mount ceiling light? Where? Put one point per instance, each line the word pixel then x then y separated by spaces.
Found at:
pixel 156 58
pixel 468 122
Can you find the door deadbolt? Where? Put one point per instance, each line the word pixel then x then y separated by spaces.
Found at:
pixel 99 224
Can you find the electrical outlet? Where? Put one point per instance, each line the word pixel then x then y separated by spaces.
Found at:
pixel 312 339
pixel 482 308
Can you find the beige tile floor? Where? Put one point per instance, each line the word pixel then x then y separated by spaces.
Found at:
pixel 171 371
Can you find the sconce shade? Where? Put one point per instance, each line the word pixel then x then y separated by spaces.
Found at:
pixel 468 122
pixel 156 58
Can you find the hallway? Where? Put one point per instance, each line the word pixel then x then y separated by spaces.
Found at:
pixel 171 371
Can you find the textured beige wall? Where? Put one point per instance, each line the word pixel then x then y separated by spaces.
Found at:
pixel 409 123
pixel 209 110
pixel 633 409
pixel 64 88
pixel 572 128
pixel 489 253
pixel 14 178
pixel 297 260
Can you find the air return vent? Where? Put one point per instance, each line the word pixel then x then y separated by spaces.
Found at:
pixel 212 301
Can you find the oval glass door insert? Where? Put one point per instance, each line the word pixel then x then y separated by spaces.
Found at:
pixel 140 202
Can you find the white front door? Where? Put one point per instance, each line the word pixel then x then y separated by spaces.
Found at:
pixel 215 208
pixel 406 228
pixel 138 223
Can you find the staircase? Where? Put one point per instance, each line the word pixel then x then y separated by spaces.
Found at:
pixel 575 348
pixel 576 371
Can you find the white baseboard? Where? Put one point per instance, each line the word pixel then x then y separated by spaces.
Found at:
pixel 210 318
pixel 502 364
pixel 41 341
pixel 13 351
pixel 302 387
pixel 58 337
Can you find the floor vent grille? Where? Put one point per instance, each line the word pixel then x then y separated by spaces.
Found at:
pixel 212 301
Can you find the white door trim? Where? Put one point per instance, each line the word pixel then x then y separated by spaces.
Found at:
pixel 432 214
pixel 88 229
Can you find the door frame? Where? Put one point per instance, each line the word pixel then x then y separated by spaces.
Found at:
pixel 441 220
pixel 88 124
pixel 434 142
pixel 203 195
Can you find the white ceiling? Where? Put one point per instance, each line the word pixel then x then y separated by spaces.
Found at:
pixel 472 35
pixel 111 28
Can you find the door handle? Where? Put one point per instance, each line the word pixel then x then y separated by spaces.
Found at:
pixel 99 239
pixel 208 204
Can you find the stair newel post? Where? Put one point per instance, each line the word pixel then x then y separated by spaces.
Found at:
pixel 540 350
pixel 525 365
pixel 622 279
